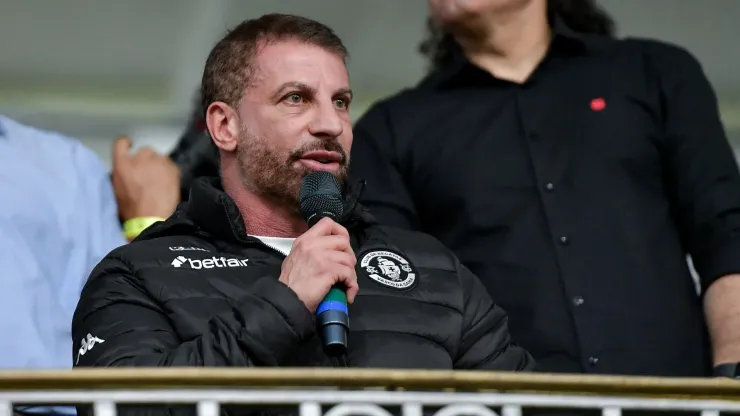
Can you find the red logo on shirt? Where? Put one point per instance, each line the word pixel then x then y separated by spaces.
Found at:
pixel 598 104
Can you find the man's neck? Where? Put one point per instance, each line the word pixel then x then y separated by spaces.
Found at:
pixel 509 45
pixel 261 215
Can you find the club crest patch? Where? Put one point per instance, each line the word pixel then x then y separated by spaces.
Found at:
pixel 390 269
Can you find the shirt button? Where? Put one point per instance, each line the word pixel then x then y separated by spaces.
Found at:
pixel 564 240
pixel 549 186
pixel 593 361
pixel 577 300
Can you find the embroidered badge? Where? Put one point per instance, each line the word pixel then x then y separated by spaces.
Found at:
pixel 390 269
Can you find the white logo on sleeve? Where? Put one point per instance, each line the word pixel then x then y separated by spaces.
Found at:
pixel 86 345
pixel 213 262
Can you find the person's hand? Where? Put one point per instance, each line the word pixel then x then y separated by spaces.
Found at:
pixel 319 259
pixel 146 184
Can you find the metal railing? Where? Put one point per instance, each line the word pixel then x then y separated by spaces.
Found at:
pixel 342 392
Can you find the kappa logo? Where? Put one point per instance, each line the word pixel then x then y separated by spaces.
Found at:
pixel 212 263
pixel 389 269
pixel 86 345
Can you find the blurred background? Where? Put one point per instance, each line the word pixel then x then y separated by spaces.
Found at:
pixel 97 69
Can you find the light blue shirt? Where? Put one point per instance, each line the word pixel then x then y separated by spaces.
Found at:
pixel 58 219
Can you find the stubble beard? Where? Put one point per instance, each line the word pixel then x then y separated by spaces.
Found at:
pixel 268 171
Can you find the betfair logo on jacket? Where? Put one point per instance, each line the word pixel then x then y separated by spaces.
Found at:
pixel 212 263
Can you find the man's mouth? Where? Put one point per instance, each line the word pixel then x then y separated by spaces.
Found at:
pixel 323 156
pixel 322 160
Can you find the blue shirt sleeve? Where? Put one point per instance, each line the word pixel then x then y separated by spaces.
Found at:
pixel 58 219
pixel 100 230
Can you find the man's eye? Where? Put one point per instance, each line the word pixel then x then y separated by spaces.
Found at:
pixel 294 98
pixel 341 103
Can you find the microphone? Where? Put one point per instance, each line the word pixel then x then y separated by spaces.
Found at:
pixel 320 197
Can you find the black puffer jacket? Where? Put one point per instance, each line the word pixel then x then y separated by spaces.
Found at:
pixel 195 290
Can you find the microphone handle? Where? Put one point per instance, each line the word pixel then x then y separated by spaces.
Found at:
pixel 332 319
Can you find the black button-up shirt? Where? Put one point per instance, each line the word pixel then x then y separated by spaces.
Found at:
pixel 574 196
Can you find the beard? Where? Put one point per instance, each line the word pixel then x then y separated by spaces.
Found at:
pixel 267 170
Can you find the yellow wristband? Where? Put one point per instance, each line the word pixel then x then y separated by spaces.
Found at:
pixel 133 227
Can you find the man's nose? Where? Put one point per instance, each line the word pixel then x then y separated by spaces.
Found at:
pixel 327 122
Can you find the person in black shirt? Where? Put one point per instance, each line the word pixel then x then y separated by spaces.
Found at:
pixel 573 172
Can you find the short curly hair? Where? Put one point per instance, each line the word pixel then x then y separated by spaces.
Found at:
pixel 229 66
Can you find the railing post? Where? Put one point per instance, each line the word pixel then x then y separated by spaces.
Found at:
pixel 310 409
pixel 355 409
pixel 611 411
pixel 511 410
pixel 6 408
pixel 465 409
pixel 208 408
pixel 412 409
pixel 104 408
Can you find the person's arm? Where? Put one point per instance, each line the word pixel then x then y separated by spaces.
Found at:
pixel 90 221
pixel 146 186
pixel 101 211
pixel 705 185
pixel 118 324
pixel 374 158
pixel 486 342
pixel 96 199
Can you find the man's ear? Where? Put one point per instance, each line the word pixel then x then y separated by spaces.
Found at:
pixel 223 125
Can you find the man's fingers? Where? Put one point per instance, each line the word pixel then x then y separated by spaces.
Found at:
pixel 121 149
pixel 327 226
pixel 323 244
pixel 347 277
pixel 326 235
pixel 341 257
pixel 351 289
pixel 145 153
pixel 333 242
pixel 337 229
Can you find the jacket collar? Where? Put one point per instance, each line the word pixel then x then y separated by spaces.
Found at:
pixel 213 211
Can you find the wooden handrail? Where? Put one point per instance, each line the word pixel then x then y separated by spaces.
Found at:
pixel 149 378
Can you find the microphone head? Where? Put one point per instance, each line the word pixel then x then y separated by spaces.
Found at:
pixel 320 196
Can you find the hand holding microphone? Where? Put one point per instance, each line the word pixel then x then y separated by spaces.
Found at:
pixel 320 259
pixel 321 265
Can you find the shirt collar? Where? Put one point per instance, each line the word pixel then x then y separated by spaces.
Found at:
pixel 565 42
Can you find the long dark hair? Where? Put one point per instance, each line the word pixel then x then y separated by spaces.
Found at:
pixel 583 16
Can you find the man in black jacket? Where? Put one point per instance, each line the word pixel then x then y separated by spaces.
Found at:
pixel 235 276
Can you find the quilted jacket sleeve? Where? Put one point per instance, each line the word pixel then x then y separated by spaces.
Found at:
pixel 486 342
pixel 118 324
